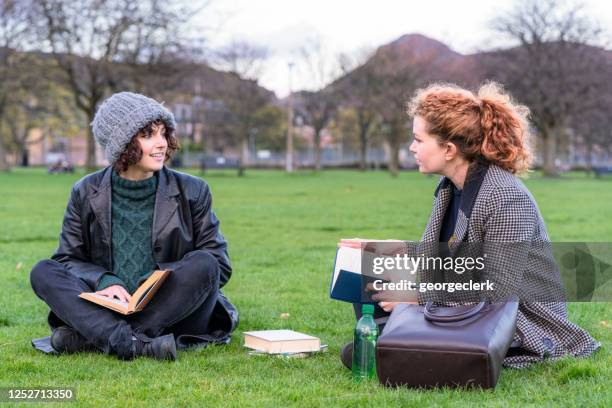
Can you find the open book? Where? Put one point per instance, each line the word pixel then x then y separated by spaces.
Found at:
pixel 353 272
pixel 139 300
pixel 281 341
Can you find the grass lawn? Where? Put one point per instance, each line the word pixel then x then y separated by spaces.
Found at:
pixel 282 231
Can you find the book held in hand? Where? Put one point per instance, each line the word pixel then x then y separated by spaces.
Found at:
pixel 139 300
pixel 353 272
pixel 281 342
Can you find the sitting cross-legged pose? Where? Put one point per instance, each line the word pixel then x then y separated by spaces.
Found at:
pixel 477 143
pixel 122 223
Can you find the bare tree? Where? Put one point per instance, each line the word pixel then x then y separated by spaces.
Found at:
pixel 38 105
pixel 242 94
pixel 89 38
pixel 396 81
pixel 591 124
pixel 358 88
pixel 13 39
pixel 554 70
pixel 320 108
pixel 23 119
pixel 320 103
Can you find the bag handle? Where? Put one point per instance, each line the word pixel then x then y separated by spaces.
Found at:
pixel 431 316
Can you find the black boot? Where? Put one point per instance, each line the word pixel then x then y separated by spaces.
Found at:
pixel 66 340
pixel 346 355
pixel 160 348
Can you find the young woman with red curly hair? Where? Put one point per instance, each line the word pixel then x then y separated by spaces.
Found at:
pixel 478 143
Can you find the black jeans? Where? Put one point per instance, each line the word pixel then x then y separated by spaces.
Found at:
pixel 183 305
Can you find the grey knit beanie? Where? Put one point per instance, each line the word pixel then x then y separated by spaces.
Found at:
pixel 121 116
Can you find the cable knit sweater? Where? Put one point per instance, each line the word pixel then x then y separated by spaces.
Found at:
pixel 133 203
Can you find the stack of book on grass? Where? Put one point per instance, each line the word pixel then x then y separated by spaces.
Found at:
pixel 284 343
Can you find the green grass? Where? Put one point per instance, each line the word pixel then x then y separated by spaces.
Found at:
pixel 282 231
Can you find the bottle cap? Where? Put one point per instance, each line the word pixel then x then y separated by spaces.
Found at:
pixel 367 309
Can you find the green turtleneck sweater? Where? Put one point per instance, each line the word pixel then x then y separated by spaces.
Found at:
pixel 133 203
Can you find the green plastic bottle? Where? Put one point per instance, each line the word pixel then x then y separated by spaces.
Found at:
pixel 364 345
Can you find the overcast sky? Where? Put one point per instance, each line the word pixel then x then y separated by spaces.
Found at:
pixel 283 26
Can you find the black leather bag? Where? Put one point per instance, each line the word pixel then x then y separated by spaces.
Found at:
pixel 435 346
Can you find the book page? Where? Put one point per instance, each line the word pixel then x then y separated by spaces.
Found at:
pixel 143 298
pixel 145 292
pixel 281 341
pixel 280 335
pixel 108 299
pixel 348 259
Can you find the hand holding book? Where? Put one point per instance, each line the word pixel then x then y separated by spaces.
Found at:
pixel 356 280
pixel 379 247
pixel 116 291
pixel 136 302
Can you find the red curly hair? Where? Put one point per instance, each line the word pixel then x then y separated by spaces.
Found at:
pixel 487 125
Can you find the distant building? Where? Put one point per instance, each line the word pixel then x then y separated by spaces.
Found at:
pixel 196 122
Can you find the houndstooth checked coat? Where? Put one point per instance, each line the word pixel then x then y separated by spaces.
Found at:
pixel 496 207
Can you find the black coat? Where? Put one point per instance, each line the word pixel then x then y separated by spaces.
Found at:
pixel 183 221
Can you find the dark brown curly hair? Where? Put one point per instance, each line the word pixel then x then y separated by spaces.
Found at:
pixel 132 152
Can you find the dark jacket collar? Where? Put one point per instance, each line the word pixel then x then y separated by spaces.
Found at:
pixel 165 203
pixel 167 184
pixel 473 180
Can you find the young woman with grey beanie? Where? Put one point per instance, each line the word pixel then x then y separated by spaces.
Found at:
pixel 122 223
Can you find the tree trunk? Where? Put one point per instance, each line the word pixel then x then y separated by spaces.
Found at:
pixel 394 145
pixel 394 158
pixel 549 144
pixel 317 149
pixel 244 156
pixel 25 157
pixel 4 165
pixel 589 159
pixel 363 147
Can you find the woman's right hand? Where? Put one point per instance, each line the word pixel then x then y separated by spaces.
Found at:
pixel 356 243
pixel 116 291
